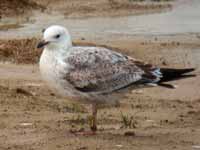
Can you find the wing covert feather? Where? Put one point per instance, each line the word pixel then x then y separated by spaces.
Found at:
pixel 101 70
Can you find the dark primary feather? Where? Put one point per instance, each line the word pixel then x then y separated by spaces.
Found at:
pixel 170 74
pixel 101 71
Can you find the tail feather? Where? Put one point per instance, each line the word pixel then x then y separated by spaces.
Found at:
pixel 175 74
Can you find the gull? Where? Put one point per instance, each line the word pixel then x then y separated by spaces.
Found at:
pixel 96 75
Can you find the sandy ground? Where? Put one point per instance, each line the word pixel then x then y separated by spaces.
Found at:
pixel 34 118
pixel 80 9
pixel 17 7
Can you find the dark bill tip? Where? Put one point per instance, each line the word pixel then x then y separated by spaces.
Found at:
pixel 42 44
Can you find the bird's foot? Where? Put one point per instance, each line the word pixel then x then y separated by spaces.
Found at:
pixel 93 128
pixel 92 123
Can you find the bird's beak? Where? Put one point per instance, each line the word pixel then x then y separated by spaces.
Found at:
pixel 42 44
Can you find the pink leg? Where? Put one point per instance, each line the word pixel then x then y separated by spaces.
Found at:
pixel 94 118
pixel 93 123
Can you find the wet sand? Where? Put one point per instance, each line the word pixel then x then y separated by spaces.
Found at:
pixel 33 117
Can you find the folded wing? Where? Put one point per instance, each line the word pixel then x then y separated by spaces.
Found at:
pixel 99 70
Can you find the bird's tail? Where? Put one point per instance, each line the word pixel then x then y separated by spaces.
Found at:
pixel 169 74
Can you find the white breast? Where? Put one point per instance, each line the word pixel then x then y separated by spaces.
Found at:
pixel 53 71
pixel 47 65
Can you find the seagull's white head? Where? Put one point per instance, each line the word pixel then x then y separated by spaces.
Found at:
pixel 55 37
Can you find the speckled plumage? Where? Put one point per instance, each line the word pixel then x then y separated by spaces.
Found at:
pixel 95 75
pixel 99 70
pixel 90 73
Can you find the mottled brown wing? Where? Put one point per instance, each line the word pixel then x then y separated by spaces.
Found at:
pixel 101 70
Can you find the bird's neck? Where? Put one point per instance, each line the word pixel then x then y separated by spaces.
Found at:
pixel 68 45
pixel 58 51
pixel 53 54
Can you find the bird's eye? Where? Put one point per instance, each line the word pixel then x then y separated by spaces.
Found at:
pixel 43 30
pixel 57 36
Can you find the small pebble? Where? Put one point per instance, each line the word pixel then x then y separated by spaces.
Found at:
pixel 196 146
pixel 119 145
pixel 26 124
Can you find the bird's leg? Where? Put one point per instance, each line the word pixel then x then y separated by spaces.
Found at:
pixel 94 118
pixel 92 122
